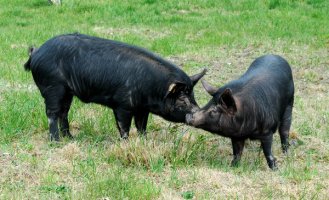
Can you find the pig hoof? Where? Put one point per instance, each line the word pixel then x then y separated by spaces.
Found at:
pixel 235 163
pixel 124 137
pixel 54 138
pixel 272 165
pixel 67 134
pixel 285 148
pixel 274 168
pixel 188 119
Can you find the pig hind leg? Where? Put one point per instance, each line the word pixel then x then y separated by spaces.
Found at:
pixel 123 120
pixel 63 120
pixel 238 146
pixel 284 128
pixel 266 144
pixel 53 96
pixel 141 122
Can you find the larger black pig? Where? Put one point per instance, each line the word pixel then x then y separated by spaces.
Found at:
pixel 131 80
pixel 253 106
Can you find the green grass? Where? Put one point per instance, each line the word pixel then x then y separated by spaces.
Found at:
pixel 175 161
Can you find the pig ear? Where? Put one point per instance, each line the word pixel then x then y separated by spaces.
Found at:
pixel 210 89
pixel 31 50
pixel 227 102
pixel 195 78
pixel 175 87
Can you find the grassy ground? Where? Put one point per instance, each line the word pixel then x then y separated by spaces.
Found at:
pixel 175 161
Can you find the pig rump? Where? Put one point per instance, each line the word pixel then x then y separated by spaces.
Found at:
pixel 132 81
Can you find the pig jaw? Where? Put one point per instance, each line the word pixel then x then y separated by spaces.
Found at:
pixel 201 119
pixel 193 120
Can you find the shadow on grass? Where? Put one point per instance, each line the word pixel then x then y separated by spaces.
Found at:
pixel 40 4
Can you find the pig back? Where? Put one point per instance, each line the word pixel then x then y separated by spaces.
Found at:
pixel 104 71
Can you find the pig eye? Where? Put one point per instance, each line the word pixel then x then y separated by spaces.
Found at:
pixel 213 112
pixel 181 96
pixel 185 91
pixel 181 99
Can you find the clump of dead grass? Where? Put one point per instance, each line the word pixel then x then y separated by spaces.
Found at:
pixel 165 149
pixel 137 152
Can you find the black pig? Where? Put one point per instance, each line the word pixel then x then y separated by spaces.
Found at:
pixel 253 107
pixel 131 80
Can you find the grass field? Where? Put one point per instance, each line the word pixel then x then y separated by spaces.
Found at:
pixel 175 161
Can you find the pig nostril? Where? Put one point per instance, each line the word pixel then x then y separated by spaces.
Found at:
pixel 188 118
pixel 193 110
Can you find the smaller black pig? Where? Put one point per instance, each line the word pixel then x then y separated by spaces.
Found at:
pixel 131 80
pixel 253 107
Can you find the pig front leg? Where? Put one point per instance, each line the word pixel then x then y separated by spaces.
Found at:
pixel 53 127
pixel 123 120
pixel 266 144
pixel 64 126
pixel 141 122
pixel 238 146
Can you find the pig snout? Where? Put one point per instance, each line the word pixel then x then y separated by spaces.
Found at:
pixel 195 119
pixel 194 109
pixel 189 119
